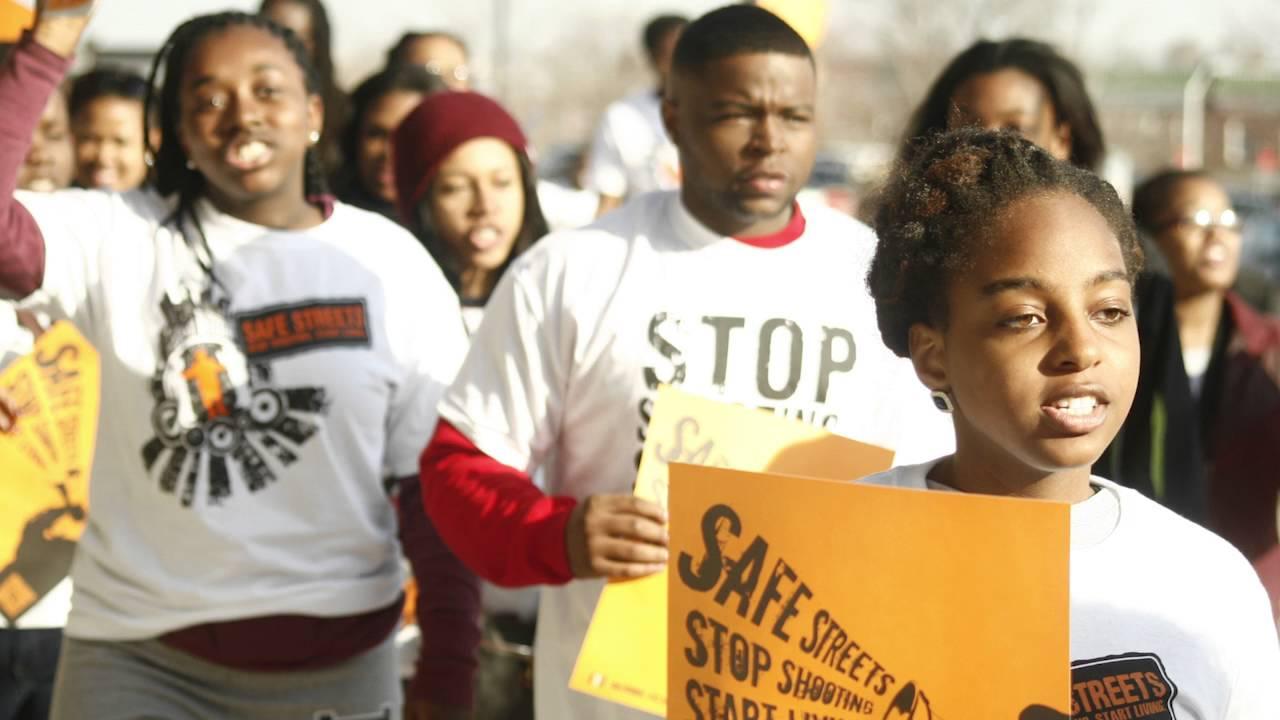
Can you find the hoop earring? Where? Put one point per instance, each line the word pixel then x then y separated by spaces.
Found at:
pixel 942 401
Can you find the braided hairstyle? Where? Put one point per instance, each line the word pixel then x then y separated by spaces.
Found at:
pixel 171 174
pixel 938 206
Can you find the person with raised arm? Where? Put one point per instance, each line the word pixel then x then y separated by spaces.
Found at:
pixel 271 361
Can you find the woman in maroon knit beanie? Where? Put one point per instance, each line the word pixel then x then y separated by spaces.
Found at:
pixel 467 189
pixel 465 186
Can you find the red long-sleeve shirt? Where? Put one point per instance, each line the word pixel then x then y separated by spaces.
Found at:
pixel 492 516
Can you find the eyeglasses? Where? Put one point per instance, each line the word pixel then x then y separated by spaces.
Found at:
pixel 458 73
pixel 1204 220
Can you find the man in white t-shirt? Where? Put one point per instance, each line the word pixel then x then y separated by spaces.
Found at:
pixel 630 152
pixel 725 288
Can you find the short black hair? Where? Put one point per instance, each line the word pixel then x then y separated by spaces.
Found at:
pixel 1151 198
pixel 659 28
pixel 937 206
pixel 1061 78
pixel 106 82
pixel 396 55
pixel 736 30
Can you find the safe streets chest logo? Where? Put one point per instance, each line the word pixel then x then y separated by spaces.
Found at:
pixel 220 421
pixel 1122 687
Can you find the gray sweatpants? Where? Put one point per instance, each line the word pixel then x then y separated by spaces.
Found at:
pixel 148 680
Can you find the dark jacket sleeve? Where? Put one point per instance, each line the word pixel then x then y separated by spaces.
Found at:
pixel 448 607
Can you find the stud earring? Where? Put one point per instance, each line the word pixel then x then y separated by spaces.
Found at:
pixel 190 165
pixel 314 137
pixel 942 401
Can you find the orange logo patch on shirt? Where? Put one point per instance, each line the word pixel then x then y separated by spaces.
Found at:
pixel 289 329
pixel 1122 687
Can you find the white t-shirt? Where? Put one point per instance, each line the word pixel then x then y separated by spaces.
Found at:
pixel 1167 619
pixel 246 427
pixel 566 208
pixel 15 340
pixel 584 326
pixel 1196 362
pixel 630 151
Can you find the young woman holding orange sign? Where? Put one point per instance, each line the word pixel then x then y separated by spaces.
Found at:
pixel 1007 277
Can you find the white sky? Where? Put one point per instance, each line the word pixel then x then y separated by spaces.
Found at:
pixel 364 28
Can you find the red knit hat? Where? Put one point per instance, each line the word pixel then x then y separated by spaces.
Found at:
pixel 436 128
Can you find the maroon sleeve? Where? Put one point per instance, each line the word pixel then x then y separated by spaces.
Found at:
pixel 492 516
pixel 26 82
pixel 448 608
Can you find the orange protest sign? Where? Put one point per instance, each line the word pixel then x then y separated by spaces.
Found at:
pixel 624 655
pixel 794 598
pixel 46 457
pixel 15 16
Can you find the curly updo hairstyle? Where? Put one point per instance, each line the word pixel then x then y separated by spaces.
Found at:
pixel 939 206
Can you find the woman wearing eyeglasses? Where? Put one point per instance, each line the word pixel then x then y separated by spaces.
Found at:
pixel 1221 362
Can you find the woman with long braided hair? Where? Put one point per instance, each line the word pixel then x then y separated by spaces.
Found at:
pixel 271 361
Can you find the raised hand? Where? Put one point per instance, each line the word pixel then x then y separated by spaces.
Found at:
pixel 60 23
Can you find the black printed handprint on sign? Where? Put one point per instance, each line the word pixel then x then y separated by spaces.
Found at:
pixel 909 704
pixel 42 557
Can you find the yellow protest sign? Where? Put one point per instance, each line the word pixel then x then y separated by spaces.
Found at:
pixel 836 600
pixel 623 657
pixel 807 17
pixel 33 436
pixel 46 457
pixel 15 16
pixel 69 365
